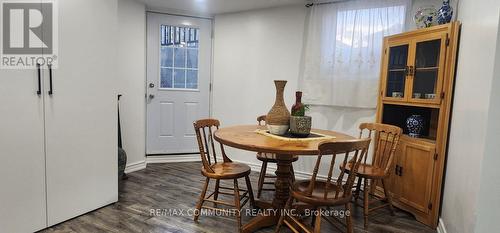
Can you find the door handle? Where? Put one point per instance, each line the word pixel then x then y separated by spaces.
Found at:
pixel 50 79
pixel 151 96
pixel 151 85
pixel 39 92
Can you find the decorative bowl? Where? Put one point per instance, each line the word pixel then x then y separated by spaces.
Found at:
pixel 425 16
pixel 430 96
pixel 278 129
pixel 397 94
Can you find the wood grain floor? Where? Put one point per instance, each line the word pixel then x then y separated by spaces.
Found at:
pixel 172 188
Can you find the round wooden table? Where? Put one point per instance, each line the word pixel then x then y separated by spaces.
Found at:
pixel 244 137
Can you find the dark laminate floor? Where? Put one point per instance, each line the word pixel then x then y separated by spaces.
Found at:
pixel 176 186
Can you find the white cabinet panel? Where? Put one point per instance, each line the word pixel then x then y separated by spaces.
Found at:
pixel 22 157
pixel 81 117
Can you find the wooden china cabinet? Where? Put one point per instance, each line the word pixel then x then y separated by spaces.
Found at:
pixel 417 76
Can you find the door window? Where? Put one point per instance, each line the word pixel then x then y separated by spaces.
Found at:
pixel 179 57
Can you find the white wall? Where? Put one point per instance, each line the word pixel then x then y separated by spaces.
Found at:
pixel 489 190
pixel 131 74
pixel 471 106
pixel 252 49
pixel 255 47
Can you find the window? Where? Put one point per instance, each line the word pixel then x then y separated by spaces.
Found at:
pixel 343 50
pixel 179 57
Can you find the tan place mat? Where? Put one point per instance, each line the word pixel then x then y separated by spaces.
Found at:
pixel 288 137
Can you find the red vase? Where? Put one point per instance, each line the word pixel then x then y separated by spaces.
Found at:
pixel 298 109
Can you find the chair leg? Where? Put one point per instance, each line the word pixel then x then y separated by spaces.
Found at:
pixel 292 174
pixel 358 189
pixel 237 204
pixel 283 215
pixel 317 221
pixel 388 196
pixel 262 176
pixel 313 219
pixel 366 192
pixel 348 218
pixel 201 200
pixel 250 191
pixel 216 192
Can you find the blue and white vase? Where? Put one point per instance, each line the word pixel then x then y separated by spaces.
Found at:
pixel 415 125
pixel 445 13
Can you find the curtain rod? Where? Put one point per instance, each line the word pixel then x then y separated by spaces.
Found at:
pixel 325 2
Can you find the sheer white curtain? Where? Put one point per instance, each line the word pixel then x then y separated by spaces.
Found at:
pixel 342 50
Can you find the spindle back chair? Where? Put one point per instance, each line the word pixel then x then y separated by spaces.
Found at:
pixel 335 189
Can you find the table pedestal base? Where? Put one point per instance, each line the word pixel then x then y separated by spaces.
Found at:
pixel 282 185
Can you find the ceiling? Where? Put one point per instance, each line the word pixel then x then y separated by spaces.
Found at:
pixel 213 7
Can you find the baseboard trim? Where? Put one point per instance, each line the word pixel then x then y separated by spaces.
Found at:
pixel 173 158
pixel 441 227
pixel 180 158
pixel 133 167
pixel 137 166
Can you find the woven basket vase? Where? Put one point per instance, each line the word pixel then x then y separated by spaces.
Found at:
pixel 278 118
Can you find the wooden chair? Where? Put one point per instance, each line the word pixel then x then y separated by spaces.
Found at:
pixel 225 170
pixel 268 158
pixel 386 139
pixel 334 191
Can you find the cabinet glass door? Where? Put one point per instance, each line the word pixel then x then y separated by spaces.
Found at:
pixel 426 76
pixel 396 72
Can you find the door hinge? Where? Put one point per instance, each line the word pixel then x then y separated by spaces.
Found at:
pixel 385 51
pixel 435 156
pixel 210 87
pixel 442 95
pixel 429 206
pixel 381 93
pixel 447 41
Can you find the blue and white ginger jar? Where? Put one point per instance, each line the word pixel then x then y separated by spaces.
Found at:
pixel 445 13
pixel 415 125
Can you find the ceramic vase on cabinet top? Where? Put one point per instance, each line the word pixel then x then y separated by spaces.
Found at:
pixel 445 13
pixel 278 118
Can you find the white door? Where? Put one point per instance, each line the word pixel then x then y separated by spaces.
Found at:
pixel 22 156
pixel 178 81
pixel 81 114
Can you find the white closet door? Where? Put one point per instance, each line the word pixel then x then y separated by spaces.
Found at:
pixel 81 115
pixel 22 157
